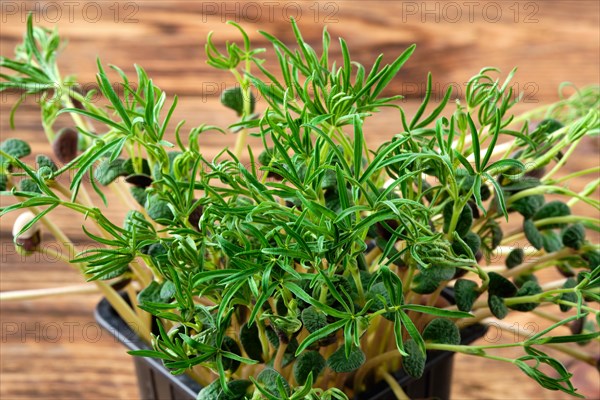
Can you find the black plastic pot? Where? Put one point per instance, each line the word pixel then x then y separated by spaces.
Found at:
pixel 436 381
pixel 156 383
pixel 154 380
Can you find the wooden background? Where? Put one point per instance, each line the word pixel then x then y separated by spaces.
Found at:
pixel 51 348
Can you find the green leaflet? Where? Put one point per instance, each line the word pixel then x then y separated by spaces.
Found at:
pixel 158 209
pixel 234 98
pixel 551 210
pixel 308 362
pixel 428 280
pixel 313 319
pixel 497 306
pixel 214 391
pixel 338 361
pixel 414 363
pixel 273 382
pixel 533 234
pixel 551 241
pixel 529 288
pixel 466 293
pixel 572 297
pixel 500 286
pixel 465 219
pixel 514 258
pixel 45 161
pixel 473 242
pixel 574 236
pixel 528 206
pixel 441 330
pixel 16 148
pixel 28 185
pixel 249 337
pixel 108 171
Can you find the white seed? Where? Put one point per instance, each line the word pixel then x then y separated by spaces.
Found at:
pixel 388 183
pixel 20 223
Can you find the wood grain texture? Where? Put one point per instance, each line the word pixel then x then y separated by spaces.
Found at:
pixel 50 348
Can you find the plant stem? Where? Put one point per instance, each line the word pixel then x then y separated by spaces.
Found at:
pixel 393 384
pixel 372 364
pixel 277 363
pixel 563 160
pixel 552 189
pixel 370 256
pixel 527 266
pixel 87 201
pixel 575 175
pixel 563 348
pixel 585 193
pixel 382 334
pixel 38 293
pixel 240 143
pixel 48 251
pixel 122 308
pixel 144 274
pixel 456 212
pixel 125 311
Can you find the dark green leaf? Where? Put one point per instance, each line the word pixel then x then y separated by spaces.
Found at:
pixel 107 171
pixel 28 185
pixel 307 363
pixel 464 221
pixel 272 380
pixel 529 288
pixel 313 319
pixel 528 206
pixel 571 297
pixel 249 337
pixel 442 330
pixel 497 306
pixel 574 236
pixel 551 241
pixel 233 98
pixel 533 234
pixel 552 209
pixel 16 148
pixel 339 363
pixel 466 293
pixel 45 161
pixel 515 258
pixel 158 209
pixel 500 286
pixel 414 362
pixel 214 391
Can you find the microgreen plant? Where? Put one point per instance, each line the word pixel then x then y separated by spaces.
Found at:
pixel 319 266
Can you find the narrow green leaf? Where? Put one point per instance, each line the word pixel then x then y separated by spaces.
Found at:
pixel 436 311
pixel 475 143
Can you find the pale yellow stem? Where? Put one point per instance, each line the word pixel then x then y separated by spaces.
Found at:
pixel 46 292
pixel 393 384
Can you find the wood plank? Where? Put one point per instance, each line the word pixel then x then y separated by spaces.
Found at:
pixel 169 40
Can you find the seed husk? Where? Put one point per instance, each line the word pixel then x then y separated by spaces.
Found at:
pixel 139 180
pixel 29 240
pixel 65 145
pixel 194 217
